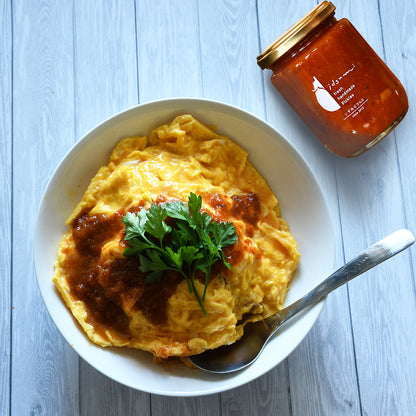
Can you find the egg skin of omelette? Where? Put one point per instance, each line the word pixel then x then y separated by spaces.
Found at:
pixel 107 293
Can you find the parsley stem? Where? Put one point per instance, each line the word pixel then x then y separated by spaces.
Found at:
pixel 206 284
pixel 190 286
pixel 197 295
pixel 194 243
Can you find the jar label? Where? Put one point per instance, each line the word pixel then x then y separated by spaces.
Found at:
pixel 339 94
pixel 325 99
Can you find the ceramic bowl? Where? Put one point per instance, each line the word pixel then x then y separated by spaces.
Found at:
pixel 302 204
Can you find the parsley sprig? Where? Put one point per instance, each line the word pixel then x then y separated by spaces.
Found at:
pixel 194 241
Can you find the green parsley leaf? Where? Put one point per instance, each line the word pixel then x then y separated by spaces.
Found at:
pixel 151 261
pixel 134 224
pixel 190 254
pixel 136 246
pixel 194 243
pixel 155 224
pixel 176 258
pixel 154 277
pixel 177 210
pixel 195 204
pixel 224 234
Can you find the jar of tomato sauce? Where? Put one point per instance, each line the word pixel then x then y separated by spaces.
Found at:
pixel 336 82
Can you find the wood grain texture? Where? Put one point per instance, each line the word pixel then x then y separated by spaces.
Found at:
pixel 44 368
pixel 311 366
pixel 382 307
pixel 168 49
pixel 230 74
pixel 186 406
pixel 229 68
pixel 66 66
pixel 105 83
pixel 105 397
pixel 104 61
pixel 400 54
pixel 170 66
pixel 5 202
pixel 268 395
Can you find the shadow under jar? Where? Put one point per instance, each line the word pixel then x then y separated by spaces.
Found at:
pixel 335 81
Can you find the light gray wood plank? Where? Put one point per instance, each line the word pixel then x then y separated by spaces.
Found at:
pixel 44 378
pixel 105 61
pixel 186 406
pixel 169 66
pixel 229 46
pixel 322 374
pixel 5 202
pixel 383 308
pixel 103 396
pixel 197 48
pixel 322 369
pixel 105 83
pixel 400 53
pixel 269 395
pixel 168 49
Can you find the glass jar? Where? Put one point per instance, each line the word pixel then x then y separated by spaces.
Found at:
pixel 336 82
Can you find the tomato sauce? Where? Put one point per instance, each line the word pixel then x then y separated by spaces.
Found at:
pixel 108 287
pixel 335 81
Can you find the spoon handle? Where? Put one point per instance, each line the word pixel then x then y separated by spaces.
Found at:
pixel 372 256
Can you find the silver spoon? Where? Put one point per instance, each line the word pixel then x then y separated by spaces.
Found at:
pixel 244 352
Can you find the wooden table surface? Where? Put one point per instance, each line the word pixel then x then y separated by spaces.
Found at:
pixel 67 65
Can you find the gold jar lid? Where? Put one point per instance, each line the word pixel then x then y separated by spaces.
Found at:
pixel 295 34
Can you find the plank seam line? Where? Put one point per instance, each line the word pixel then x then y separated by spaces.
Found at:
pixel 136 35
pixel 406 223
pixel 289 390
pixel 74 82
pixel 221 404
pixel 11 210
pixel 201 78
pixel 402 194
pixel 381 30
pixel 263 91
pixel 348 295
pixel 74 139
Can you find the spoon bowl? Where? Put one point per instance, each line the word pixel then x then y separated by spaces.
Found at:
pixel 239 355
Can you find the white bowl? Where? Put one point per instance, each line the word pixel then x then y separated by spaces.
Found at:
pixel 302 205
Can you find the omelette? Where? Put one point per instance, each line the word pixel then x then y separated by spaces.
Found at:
pixel 110 295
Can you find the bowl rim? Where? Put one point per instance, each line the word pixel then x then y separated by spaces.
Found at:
pixel 185 101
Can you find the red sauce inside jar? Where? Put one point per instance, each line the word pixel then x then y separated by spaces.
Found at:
pixel 336 82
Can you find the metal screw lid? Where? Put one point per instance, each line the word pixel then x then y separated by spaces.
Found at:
pixel 295 34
